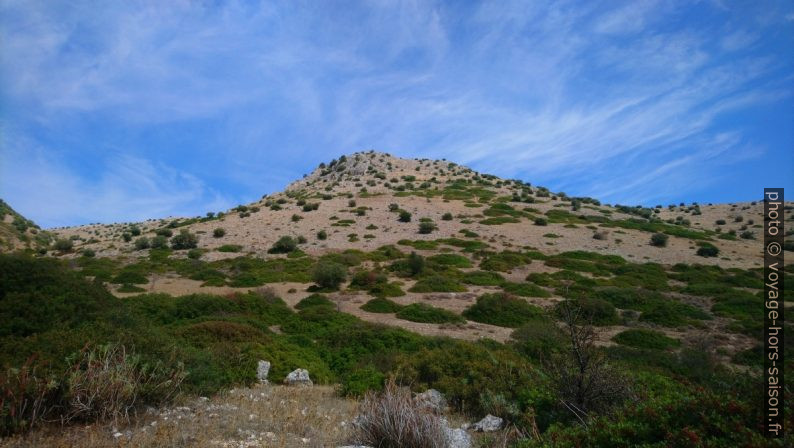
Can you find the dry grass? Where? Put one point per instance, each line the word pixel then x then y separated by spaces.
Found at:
pixel 392 419
pixel 269 416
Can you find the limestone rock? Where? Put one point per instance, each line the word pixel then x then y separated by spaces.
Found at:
pixel 489 423
pixel 298 377
pixel 432 400
pixel 262 369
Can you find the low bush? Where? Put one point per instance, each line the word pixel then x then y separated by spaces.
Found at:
pixel 659 239
pixel 483 278
pixel 708 250
pixel 314 300
pixel 426 227
pixel 419 312
pixel 329 274
pixel 503 310
pixel 404 216
pixel 437 283
pixel 185 240
pixel 381 305
pixel 230 248
pixel 645 339
pixel 284 245
pixel 219 232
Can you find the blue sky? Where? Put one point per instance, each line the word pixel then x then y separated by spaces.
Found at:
pixel 120 111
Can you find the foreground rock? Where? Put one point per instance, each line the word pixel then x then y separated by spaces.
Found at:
pixel 456 438
pixel 431 400
pixel 490 423
pixel 262 369
pixel 298 377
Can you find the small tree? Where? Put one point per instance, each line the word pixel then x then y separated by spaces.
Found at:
pixel 185 240
pixel 583 378
pixel 659 240
pixel 219 232
pixel 329 274
pixel 405 216
pixel 284 245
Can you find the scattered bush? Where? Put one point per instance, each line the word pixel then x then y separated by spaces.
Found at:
pixel 381 305
pixel 185 240
pixel 646 339
pixel 284 245
pixel 230 248
pixel 158 242
pixel 63 245
pixel 322 235
pixel 503 310
pixel 437 283
pixel 404 216
pixel 419 312
pixel 708 250
pixel 426 227
pixel 219 232
pixel 142 243
pixel 446 217
pixel 659 240
pixel 329 274
pixel 541 221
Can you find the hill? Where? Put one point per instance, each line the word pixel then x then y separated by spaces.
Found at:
pixel 18 232
pixel 374 267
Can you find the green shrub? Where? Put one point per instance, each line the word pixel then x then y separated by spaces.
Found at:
pixel 483 278
pixel 525 290
pixel 419 312
pixel 404 216
pixel 708 250
pixel 503 310
pixel 539 338
pixel 446 217
pixel 158 242
pixel 541 221
pixel 659 240
pixel 284 245
pixel 329 274
pixel 593 311
pixel 437 283
pixel 185 240
pixel 219 232
pixel 645 339
pixel 426 227
pixel 142 243
pixel 450 260
pixel 168 233
pixel 230 248
pixel 322 235
pixel 195 254
pixel 88 253
pixel 314 300
pixel 381 305
pixel 62 245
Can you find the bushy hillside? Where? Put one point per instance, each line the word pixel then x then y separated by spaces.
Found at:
pixel 17 232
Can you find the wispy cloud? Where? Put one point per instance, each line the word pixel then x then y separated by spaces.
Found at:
pixel 246 96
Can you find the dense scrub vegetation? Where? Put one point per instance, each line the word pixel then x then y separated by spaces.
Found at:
pixel 53 318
